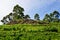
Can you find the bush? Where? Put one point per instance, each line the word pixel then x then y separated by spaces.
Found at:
pixel 54 29
pixel 7 29
pixel 51 29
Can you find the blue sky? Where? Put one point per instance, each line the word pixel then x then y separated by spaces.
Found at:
pixel 31 7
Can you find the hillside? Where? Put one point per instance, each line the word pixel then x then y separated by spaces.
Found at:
pixel 30 32
pixel 27 21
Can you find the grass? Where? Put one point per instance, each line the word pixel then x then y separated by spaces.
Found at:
pixel 30 32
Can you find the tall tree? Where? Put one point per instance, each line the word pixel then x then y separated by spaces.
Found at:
pixel 18 12
pixel 55 12
pixel 56 16
pixel 7 18
pixel 36 16
pixel 26 17
pixel 53 17
pixel 4 20
pixel 47 18
pixel 10 16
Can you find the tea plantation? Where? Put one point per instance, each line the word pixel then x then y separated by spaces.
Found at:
pixel 30 32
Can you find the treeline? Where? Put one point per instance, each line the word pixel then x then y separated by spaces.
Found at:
pixel 18 13
pixel 52 17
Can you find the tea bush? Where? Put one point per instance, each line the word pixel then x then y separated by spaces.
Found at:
pixel 30 32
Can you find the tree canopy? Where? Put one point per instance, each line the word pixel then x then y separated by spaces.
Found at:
pixel 52 17
pixel 36 16
pixel 18 13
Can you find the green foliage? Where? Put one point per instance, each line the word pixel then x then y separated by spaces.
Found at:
pixel 30 32
pixel 46 18
pixel 53 17
pixel 18 12
pixel 42 31
pixel 7 18
pixel 36 16
pixel 26 17
pixel 51 29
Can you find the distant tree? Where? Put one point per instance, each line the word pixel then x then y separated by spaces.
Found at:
pixel 56 16
pixel 10 16
pixel 36 16
pixel 26 17
pixel 18 12
pixel 55 12
pixel 4 20
pixel 47 18
pixel 7 18
pixel 53 17
pixel 51 14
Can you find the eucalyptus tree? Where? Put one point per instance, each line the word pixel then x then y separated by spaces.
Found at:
pixel 52 17
pixel 36 16
pixel 7 18
pixel 56 16
pixel 18 12
pixel 10 16
pixel 26 17
pixel 47 18
pixel 4 20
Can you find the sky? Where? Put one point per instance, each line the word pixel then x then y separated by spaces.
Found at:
pixel 31 7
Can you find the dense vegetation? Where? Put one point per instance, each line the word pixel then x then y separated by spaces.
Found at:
pixel 25 28
pixel 30 32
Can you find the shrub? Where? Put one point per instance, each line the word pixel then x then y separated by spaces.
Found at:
pixel 7 29
pixel 54 29
pixel 51 29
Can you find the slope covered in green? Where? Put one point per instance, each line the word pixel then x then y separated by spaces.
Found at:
pixel 30 32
